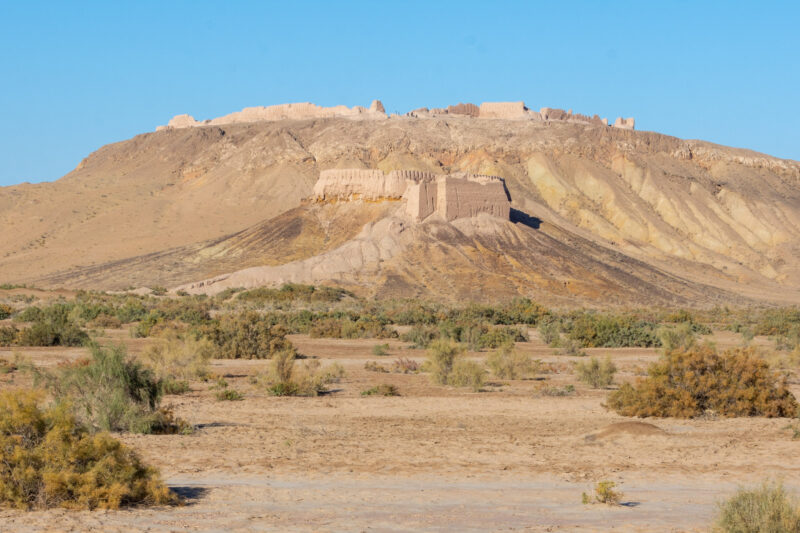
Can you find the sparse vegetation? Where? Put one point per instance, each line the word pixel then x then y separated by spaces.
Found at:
pixel 768 508
pixel 47 459
pixel 550 390
pixel 112 392
pixel 603 493
pixel 509 363
pixel 688 383
pixel 380 349
pixel 178 357
pixel 404 365
pixel 286 379
pixel 596 373
pixel 383 389
pixel 372 366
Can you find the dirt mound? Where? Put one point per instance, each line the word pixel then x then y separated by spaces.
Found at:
pixel 626 428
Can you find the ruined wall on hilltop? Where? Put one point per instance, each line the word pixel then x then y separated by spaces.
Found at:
pixel 366 184
pixel 468 195
pixel 298 111
pixel 506 110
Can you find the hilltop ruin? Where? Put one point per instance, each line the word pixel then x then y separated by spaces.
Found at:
pixel 450 196
pixel 376 111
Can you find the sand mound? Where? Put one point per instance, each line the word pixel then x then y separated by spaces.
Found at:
pixel 626 428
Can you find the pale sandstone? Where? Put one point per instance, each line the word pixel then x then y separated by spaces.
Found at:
pixel 506 110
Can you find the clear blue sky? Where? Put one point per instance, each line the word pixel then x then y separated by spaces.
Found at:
pixel 78 75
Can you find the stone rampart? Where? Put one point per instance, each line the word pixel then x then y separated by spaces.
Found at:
pixel 506 110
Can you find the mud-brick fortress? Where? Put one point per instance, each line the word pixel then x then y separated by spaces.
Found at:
pixel 449 196
pixel 376 111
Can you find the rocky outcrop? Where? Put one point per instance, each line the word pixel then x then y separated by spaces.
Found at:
pixel 450 196
pixel 297 111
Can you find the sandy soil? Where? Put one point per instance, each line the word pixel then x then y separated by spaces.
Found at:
pixel 435 458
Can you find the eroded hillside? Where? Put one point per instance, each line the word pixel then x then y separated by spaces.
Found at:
pixel 696 221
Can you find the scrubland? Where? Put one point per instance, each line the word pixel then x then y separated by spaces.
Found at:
pixel 308 408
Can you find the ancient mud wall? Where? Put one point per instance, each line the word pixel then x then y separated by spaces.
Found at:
pixel 299 111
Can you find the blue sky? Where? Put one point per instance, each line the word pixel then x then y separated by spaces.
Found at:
pixel 78 75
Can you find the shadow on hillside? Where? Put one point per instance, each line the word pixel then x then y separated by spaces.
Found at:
pixel 519 217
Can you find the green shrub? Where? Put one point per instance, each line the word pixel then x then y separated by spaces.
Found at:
pixel 679 337
pixel 5 311
pixel 9 335
pixel 441 358
pixel 420 336
pixel 247 336
pixel 572 348
pixel 174 386
pixel 549 334
pixel 509 363
pixel 48 459
pixel 53 326
pixel 111 392
pixel 467 373
pixel 228 395
pixel 612 331
pixel 176 357
pixel 688 383
pixel 595 373
pixel 380 349
pixel 767 508
pixel 383 389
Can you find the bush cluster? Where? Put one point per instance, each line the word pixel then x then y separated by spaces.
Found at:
pixel 597 330
pixel 448 367
pixel 48 459
pixel 509 363
pixel 767 508
pixel 688 383
pixel 111 392
pixel 285 378
pixel 247 335
pixel 595 373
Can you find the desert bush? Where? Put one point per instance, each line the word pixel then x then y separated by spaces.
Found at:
pixel 498 336
pixel 441 358
pixel 228 395
pixel 372 366
pixel 291 292
pixel 384 389
pixel 174 386
pixel 767 508
pixel 777 321
pixel 176 357
pixel 106 321
pixel 111 392
pixel 247 336
pixel 603 493
pixel 688 383
pixel 9 335
pixel 53 326
pixel 404 365
pixel 509 363
pixel 421 336
pixel 549 333
pixel 679 337
pixel 286 379
pixel 572 348
pixel 467 373
pixel 595 373
pixel 612 331
pixel 5 311
pixel 48 459
pixel 380 349
pixel 158 291
pixel 550 390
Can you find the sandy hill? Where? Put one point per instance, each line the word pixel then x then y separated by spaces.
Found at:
pixel 597 214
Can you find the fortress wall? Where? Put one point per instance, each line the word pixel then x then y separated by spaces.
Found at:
pixel 298 111
pixel 345 184
pixel 625 123
pixel 506 110
pixel 415 176
pixel 421 199
pixel 462 197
